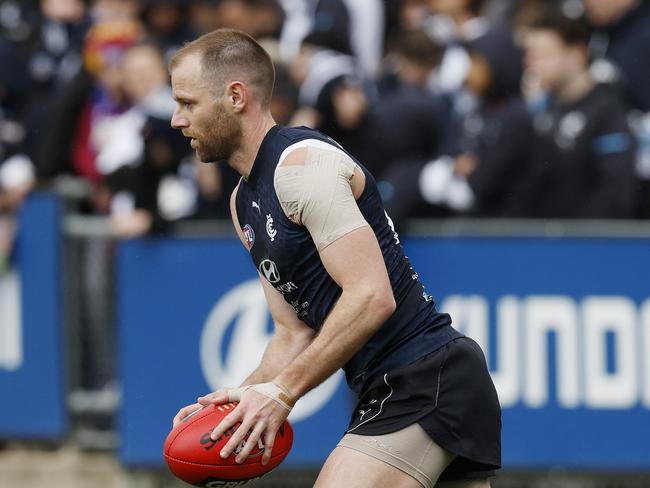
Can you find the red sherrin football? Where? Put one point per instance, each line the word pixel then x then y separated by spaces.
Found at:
pixel 193 457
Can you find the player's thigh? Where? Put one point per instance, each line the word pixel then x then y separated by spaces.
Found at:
pixel 479 483
pixel 353 469
pixel 407 458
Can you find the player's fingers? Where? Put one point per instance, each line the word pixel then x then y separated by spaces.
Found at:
pixel 225 424
pixel 216 398
pixel 269 440
pixel 185 411
pixel 250 443
pixel 237 438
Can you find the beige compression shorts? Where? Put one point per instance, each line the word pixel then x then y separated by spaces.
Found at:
pixel 410 450
pixel 318 193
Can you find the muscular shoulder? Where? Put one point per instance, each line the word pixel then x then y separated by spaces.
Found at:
pixel 314 157
pixel 317 185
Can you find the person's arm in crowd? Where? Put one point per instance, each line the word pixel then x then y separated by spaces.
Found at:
pixel 613 151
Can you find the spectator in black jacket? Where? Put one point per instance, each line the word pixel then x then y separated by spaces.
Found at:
pixel 622 41
pixel 622 36
pixel 583 150
pixel 488 150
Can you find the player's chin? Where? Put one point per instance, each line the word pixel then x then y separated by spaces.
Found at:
pixel 202 156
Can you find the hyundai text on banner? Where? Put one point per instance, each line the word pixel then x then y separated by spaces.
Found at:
pixel 565 324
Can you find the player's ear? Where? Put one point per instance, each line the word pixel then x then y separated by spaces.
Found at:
pixel 237 95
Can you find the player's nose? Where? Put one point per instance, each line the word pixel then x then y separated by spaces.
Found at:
pixel 179 121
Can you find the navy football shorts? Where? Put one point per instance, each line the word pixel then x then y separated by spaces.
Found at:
pixel 450 393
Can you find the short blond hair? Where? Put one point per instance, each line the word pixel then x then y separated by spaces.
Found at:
pixel 229 54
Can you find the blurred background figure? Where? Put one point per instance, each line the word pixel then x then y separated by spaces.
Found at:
pixel 453 23
pixel 71 106
pixel 399 150
pixel 54 59
pixel 167 24
pixel 128 161
pixel 485 152
pixel 259 18
pixel 584 151
pixel 81 120
pixel 622 37
pixel 110 10
pixel 40 51
pixel 620 41
pixel 402 94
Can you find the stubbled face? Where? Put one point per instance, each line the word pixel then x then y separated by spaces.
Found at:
pixel 202 114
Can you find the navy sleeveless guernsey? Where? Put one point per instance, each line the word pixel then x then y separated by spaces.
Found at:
pixel 286 256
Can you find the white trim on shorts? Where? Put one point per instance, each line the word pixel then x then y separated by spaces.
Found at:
pixel 381 406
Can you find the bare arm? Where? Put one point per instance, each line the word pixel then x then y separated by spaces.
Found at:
pixel 355 262
pixel 291 335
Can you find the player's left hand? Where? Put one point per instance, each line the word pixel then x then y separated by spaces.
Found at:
pixel 262 410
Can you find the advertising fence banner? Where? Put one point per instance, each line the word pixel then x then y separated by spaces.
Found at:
pixel 564 323
pixel 32 393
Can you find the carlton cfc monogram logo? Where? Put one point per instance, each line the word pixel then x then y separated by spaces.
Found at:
pixel 269 227
pixel 270 271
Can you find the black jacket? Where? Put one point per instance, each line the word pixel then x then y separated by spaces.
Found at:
pixel 498 133
pixel 627 45
pixel 584 157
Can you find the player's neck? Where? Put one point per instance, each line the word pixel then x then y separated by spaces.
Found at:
pixel 252 137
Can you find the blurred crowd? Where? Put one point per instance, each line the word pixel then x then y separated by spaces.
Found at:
pixel 496 108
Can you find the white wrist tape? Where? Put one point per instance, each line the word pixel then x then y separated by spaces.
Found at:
pixel 276 393
pixel 234 394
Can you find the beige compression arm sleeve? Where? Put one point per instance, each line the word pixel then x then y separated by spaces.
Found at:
pixel 318 195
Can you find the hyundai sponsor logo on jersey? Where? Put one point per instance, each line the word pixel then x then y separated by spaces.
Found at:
pixel 565 324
